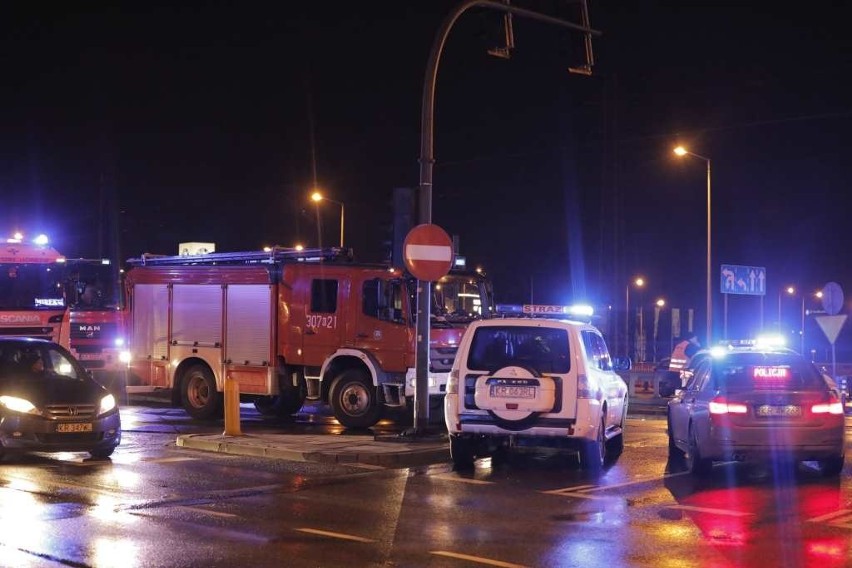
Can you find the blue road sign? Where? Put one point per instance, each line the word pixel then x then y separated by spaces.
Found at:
pixel 748 280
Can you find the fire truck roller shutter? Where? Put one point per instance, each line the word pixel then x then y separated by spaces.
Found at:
pixel 354 399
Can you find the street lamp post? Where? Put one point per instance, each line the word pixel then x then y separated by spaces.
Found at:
pixel 661 303
pixel 681 151
pixel 791 290
pixel 317 197
pixel 638 282
pixel 427 112
pixel 802 332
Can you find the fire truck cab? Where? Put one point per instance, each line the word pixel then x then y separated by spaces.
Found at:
pixel 32 302
pixel 286 324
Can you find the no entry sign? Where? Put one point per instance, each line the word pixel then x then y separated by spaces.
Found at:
pixel 428 252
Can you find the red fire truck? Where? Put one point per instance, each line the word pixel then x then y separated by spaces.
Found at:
pixel 287 325
pixel 94 294
pixel 32 302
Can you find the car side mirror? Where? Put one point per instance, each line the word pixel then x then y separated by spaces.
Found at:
pixel 622 363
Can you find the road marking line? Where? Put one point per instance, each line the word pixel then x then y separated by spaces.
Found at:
pixel 575 491
pixel 710 510
pixel 828 516
pixel 336 535
pixel 580 495
pixel 477 559
pixel 167 460
pixel 207 512
pixel 450 477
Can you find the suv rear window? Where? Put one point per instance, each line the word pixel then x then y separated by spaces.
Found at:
pixel 541 348
pixel 766 371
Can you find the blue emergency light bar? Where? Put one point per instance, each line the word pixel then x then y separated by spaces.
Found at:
pixel 573 311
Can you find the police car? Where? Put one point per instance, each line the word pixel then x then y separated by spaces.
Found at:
pixel 535 381
pixel 757 402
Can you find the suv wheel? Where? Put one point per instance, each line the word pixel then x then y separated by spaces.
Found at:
pixel 594 451
pixel 462 452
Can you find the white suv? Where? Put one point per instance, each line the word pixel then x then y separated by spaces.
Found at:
pixel 537 382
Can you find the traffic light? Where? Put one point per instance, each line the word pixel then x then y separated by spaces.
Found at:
pixel 404 211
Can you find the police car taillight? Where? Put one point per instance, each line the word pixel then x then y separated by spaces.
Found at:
pixel 720 406
pixel 833 406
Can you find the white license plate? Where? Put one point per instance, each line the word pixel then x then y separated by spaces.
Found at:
pixel 786 410
pixel 506 391
pixel 90 356
pixel 74 427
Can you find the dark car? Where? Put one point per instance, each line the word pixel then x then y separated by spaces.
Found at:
pixel 766 405
pixel 49 403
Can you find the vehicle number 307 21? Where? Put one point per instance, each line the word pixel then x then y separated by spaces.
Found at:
pixel 329 322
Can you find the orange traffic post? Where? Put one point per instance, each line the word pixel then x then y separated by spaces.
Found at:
pixel 232 407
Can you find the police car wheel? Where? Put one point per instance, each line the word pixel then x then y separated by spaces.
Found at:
pixel 674 450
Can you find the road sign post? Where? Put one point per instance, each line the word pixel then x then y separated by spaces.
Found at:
pixel 428 254
pixel 832 302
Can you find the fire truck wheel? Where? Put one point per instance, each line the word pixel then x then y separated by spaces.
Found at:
pixel 200 398
pixel 355 400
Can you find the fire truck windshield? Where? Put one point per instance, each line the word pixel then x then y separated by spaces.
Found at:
pixel 31 286
pixel 459 297
pixel 92 285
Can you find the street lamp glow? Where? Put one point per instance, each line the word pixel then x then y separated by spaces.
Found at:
pixel 791 290
pixel 818 294
pixel 316 197
pixel 638 282
pixel 681 151
pixel 299 247
pixel 660 303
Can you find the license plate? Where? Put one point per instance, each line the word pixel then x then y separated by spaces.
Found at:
pixel 74 427
pixel 786 410
pixel 89 356
pixel 507 391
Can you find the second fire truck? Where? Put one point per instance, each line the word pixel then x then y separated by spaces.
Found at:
pixel 93 292
pixel 32 300
pixel 287 325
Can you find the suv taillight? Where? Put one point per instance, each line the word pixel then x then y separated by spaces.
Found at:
pixel 453 382
pixel 586 389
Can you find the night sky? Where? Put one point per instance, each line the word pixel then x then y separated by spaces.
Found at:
pixel 131 128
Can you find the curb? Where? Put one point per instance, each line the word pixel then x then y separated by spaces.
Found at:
pixel 380 454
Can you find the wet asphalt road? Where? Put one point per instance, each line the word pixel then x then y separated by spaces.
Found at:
pixel 154 504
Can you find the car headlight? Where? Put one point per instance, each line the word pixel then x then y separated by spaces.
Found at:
pixel 107 404
pixel 18 404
